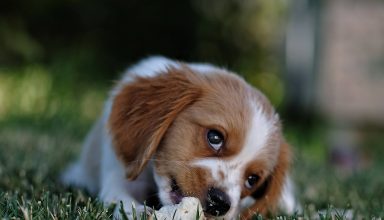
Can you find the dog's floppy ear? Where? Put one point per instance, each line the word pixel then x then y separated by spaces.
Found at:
pixel 268 194
pixel 143 110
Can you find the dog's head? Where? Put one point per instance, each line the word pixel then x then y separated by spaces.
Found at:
pixel 210 136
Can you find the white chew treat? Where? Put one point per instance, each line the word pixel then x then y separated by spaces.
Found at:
pixel 187 209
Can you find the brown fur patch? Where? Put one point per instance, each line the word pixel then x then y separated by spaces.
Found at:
pixel 142 112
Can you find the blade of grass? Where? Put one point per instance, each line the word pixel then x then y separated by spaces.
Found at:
pixel 122 211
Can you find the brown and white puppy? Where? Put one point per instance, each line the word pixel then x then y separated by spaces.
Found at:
pixel 181 130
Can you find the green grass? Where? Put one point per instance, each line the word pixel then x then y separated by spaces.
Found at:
pixel 44 117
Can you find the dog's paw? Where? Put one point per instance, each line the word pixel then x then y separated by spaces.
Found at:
pixel 75 175
pixel 122 212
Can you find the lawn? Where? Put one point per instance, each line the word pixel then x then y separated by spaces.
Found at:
pixel 44 115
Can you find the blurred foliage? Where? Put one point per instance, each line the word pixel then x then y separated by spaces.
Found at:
pixel 49 45
pixel 38 91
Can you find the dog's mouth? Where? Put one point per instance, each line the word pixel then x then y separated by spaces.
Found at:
pixel 176 194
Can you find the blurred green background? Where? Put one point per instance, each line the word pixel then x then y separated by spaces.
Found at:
pixel 58 60
pixel 59 57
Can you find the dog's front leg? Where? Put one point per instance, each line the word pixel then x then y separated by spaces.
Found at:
pixel 115 192
pixel 116 188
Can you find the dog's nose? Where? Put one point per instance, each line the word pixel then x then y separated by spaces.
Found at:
pixel 217 203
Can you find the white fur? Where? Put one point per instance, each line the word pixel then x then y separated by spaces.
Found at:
pixel 149 67
pixel 288 201
pixel 100 172
pixel 203 68
pixel 164 189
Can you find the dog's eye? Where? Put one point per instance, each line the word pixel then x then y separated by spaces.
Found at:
pixel 251 181
pixel 215 139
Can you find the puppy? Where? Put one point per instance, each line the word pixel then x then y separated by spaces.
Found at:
pixel 186 129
